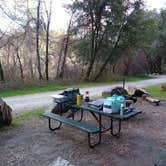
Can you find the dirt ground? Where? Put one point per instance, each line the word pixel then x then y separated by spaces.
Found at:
pixel 142 140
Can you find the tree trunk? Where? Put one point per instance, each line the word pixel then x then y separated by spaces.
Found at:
pixel 20 64
pixel 127 63
pixel 37 41
pixel 92 59
pixel 159 64
pixel 61 73
pixel 59 59
pixel 31 68
pixel 2 78
pixel 47 39
pixel 95 42
pixel 90 67
pixel 47 44
pixel 66 43
pixel 110 55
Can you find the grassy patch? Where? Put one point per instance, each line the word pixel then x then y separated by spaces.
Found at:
pixel 19 92
pixel 129 79
pixel 49 87
pixel 21 117
pixel 133 79
pixel 156 91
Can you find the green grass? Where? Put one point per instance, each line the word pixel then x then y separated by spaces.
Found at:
pixel 21 117
pixel 52 87
pixel 19 92
pixel 133 79
pixel 156 91
pixel 130 79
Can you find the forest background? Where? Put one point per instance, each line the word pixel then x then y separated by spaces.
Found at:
pixel 103 40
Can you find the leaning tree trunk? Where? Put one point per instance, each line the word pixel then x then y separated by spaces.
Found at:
pixel 60 59
pixel 20 65
pixel 110 55
pixel 2 78
pixel 66 46
pixel 90 67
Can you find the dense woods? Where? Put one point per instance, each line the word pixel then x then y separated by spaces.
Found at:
pixel 103 39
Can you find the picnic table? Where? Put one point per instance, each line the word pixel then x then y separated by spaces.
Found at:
pixel 97 114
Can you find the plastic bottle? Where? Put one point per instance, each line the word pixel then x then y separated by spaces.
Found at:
pixel 121 109
pixel 78 99
pixel 87 99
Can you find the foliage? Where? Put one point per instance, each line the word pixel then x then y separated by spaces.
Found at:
pixel 155 50
pixel 100 35
pixel 110 29
pixel 156 91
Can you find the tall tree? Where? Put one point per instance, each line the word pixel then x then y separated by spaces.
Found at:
pixel 47 29
pixel 65 46
pixel 101 24
pixel 37 40
pixel 161 46
pixel 91 24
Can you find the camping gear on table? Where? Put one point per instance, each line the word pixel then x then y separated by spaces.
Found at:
pixel 60 108
pixel 66 95
pixel 60 100
pixel 5 114
pixel 121 92
pixel 71 94
pixel 131 95
pixel 113 104
pixel 97 104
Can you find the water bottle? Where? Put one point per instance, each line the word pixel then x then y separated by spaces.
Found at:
pixel 78 99
pixel 87 98
pixel 121 109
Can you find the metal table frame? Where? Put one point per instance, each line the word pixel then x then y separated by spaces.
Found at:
pixel 97 114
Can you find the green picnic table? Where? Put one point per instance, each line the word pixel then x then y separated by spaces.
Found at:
pixel 98 115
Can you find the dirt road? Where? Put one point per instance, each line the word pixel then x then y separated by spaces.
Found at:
pixel 44 100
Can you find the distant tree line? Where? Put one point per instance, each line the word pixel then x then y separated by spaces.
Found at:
pixel 104 38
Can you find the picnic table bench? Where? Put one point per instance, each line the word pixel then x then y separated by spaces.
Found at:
pixel 88 128
pixel 73 123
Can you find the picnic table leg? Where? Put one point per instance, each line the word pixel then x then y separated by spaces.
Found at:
pixel 99 135
pixel 74 110
pixel 97 119
pixel 112 128
pixel 53 129
pixel 80 117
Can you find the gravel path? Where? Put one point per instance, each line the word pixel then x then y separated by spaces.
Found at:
pixel 44 100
